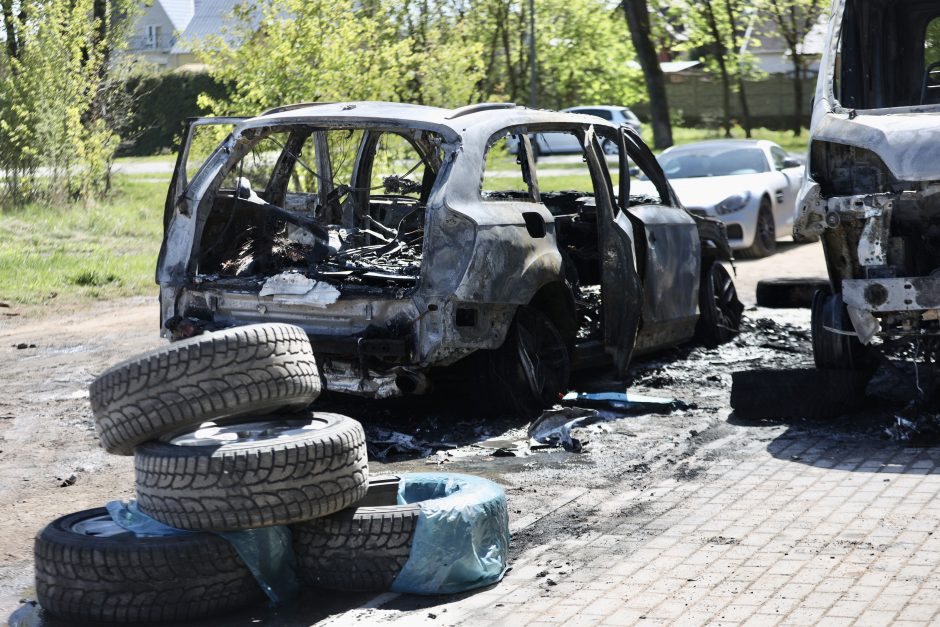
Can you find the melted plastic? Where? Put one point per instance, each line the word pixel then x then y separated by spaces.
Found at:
pixel 267 552
pixel 461 541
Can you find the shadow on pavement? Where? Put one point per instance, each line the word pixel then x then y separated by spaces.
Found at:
pixel 860 441
pixel 310 607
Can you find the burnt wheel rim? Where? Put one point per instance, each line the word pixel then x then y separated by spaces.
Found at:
pixel 543 358
pixel 728 308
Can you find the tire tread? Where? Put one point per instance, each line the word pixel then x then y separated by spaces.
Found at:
pixel 250 369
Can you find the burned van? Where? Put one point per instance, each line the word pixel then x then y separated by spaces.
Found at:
pixel 872 192
pixel 406 239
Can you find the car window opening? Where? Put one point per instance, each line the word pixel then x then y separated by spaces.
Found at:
pixel 345 206
pixel 569 196
pixel 572 200
pixel 893 65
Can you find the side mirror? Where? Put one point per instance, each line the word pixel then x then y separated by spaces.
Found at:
pixel 243 188
pixel 790 162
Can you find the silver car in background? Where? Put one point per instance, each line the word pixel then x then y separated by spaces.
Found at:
pixel 750 185
pixel 564 143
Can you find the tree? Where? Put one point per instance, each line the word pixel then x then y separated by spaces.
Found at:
pixel 582 51
pixel 794 19
pixel 56 141
pixel 281 51
pixel 637 15
pixel 714 29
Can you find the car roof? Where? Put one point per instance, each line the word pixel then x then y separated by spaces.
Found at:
pixel 482 118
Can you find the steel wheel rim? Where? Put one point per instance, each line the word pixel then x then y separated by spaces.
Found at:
pixel 211 434
pixel 101 526
pixel 725 297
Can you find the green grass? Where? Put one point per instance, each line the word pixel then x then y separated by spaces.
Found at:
pixel 76 253
pixel 168 158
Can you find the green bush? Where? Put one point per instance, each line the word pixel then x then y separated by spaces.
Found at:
pixel 163 102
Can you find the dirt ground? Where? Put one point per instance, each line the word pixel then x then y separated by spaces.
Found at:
pixel 51 464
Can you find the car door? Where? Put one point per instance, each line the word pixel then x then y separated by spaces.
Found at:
pixel 621 288
pixel 669 250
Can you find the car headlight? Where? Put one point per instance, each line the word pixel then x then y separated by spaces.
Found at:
pixel 733 203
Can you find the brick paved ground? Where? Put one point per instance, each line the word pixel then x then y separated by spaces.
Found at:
pixel 804 531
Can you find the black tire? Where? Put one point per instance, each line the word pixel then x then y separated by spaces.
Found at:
pixel 123 578
pixel 790 293
pixel 530 371
pixel 252 369
pixel 720 310
pixel 276 474
pixel 361 549
pixel 834 351
pixel 802 393
pixel 765 236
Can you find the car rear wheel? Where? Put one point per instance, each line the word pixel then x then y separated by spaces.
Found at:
pixel 530 371
pixel 765 235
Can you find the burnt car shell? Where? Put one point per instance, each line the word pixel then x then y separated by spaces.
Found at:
pixel 872 192
pixel 405 284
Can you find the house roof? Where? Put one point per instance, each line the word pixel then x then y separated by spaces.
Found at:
pixel 179 12
pixel 210 18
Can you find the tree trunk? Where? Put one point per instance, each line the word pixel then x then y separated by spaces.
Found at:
pixel 797 94
pixel 720 52
pixel 485 84
pixel 742 95
pixel 745 110
pixel 9 27
pixel 507 53
pixel 638 21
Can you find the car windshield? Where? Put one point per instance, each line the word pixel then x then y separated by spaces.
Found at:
pixel 718 161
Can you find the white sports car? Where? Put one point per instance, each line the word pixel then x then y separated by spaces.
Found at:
pixel 750 185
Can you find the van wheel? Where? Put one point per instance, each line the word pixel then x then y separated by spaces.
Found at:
pixel 835 351
pixel 765 236
pixel 530 371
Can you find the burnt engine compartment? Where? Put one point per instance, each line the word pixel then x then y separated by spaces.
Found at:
pixel 912 240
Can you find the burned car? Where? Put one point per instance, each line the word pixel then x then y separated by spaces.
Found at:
pixel 405 240
pixel 872 192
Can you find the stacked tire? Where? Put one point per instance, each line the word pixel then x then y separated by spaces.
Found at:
pixel 221 442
